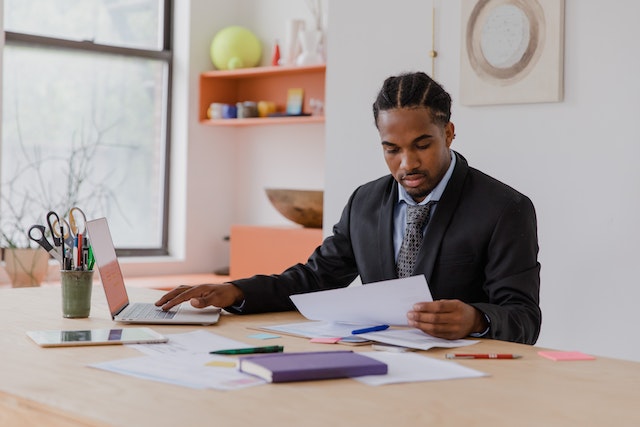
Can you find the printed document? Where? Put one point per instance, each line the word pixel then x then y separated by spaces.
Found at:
pixel 378 303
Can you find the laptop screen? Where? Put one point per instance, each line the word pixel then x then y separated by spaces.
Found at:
pixel 107 261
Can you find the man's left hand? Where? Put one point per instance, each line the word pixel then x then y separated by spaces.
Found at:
pixel 449 319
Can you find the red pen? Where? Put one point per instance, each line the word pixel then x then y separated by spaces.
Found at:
pixel 79 249
pixel 482 356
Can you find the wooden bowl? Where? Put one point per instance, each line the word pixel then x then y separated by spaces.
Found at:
pixel 303 207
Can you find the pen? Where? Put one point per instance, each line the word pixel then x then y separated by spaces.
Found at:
pixel 79 264
pixel 250 350
pixel 371 329
pixel 482 356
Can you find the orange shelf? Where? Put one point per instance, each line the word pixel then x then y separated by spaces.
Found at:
pixel 283 70
pixel 264 121
pixel 261 84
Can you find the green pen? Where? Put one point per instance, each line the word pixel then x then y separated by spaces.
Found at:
pixel 250 350
pixel 90 259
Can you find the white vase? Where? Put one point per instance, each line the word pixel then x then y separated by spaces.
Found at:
pixel 310 43
pixel 26 267
pixel 292 41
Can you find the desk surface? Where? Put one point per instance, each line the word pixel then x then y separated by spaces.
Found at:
pixel 54 387
pixel 166 283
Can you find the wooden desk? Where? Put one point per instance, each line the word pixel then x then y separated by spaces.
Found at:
pixel 54 387
pixel 165 283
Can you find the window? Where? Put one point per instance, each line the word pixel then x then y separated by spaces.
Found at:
pixel 85 108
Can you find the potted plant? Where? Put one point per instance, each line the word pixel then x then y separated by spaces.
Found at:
pixel 29 193
pixel 26 264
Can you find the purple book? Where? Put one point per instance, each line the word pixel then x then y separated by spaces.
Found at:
pixel 285 367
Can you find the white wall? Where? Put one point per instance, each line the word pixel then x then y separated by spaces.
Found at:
pixel 576 159
pixel 361 54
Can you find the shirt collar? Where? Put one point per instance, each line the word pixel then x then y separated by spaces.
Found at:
pixel 436 193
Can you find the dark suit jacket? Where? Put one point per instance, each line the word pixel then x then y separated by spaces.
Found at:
pixel 481 247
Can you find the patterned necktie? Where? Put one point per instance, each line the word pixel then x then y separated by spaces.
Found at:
pixel 417 218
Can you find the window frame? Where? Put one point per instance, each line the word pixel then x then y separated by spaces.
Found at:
pixel 165 55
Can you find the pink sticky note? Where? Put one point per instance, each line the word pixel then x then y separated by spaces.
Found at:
pixel 325 340
pixel 561 356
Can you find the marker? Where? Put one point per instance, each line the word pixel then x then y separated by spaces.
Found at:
pixel 371 329
pixel 74 253
pixel 91 260
pixel 251 350
pixel 482 356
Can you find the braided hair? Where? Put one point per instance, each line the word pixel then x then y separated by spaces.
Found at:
pixel 414 90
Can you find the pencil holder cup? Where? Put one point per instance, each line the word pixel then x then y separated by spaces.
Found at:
pixel 76 293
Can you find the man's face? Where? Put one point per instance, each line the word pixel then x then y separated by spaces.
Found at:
pixel 416 150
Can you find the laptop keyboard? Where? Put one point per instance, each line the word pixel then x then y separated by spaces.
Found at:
pixel 149 312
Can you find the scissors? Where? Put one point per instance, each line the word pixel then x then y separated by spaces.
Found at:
pixel 77 221
pixel 36 233
pixel 81 252
pixel 60 230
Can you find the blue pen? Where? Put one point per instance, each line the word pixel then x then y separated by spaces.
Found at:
pixel 371 329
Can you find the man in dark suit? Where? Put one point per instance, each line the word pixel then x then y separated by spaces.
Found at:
pixel 479 243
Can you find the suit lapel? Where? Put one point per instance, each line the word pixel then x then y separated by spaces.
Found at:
pixel 385 233
pixel 438 224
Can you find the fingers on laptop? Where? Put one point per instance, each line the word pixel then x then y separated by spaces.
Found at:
pixel 173 294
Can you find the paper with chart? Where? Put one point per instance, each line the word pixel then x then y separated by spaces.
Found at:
pixel 378 303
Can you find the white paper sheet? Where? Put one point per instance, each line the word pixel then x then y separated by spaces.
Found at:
pixel 187 370
pixel 375 303
pixel 403 337
pixel 196 342
pixel 184 361
pixel 315 329
pixel 414 338
pixel 411 367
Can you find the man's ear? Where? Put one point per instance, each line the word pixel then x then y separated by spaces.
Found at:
pixel 449 133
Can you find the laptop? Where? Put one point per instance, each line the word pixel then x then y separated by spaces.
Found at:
pixel 116 293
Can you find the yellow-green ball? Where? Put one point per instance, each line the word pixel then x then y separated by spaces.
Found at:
pixel 235 47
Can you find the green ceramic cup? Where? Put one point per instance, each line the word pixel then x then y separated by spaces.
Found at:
pixel 76 293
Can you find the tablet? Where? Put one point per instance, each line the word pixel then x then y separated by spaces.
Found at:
pixel 61 338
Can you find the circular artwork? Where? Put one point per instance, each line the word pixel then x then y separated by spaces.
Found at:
pixel 505 38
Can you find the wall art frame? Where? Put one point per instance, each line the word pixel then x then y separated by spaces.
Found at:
pixel 512 51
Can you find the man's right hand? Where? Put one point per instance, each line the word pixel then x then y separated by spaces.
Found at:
pixel 201 296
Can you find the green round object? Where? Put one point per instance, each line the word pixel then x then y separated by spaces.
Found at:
pixel 235 47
